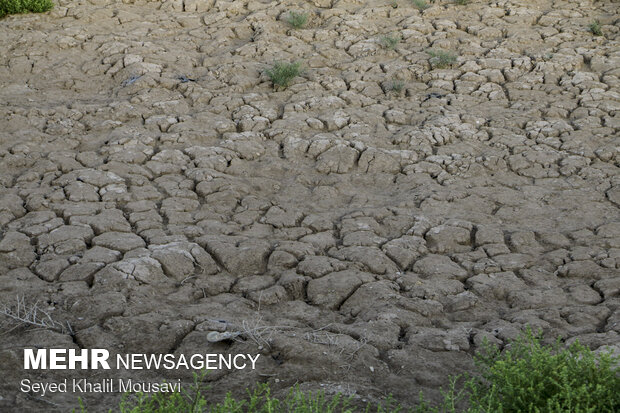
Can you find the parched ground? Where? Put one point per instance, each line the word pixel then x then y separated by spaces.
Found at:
pixel 154 187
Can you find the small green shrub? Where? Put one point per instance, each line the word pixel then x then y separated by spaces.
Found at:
pixel 462 2
pixel 441 59
pixel 297 20
pixel 390 42
pixel 420 4
pixel 24 6
pixel 394 4
pixel 532 377
pixel 395 85
pixel 595 28
pixel 281 73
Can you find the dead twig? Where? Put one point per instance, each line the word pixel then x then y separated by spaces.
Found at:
pixel 32 315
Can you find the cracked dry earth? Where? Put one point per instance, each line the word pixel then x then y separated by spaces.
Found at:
pixel 156 188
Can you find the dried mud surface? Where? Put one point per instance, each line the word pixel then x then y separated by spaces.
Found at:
pixel 154 187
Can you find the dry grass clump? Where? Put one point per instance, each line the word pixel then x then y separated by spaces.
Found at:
pixel 32 315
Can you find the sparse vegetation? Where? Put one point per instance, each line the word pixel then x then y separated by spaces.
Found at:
pixel 462 2
pixel 394 4
pixel 260 400
pixel 395 85
pixel 526 377
pixel 297 20
pixel 531 377
pixel 420 4
pixel 282 73
pixel 595 28
pixel 390 42
pixel 440 58
pixel 24 6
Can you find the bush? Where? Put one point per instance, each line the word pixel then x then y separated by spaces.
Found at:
pixel 24 6
pixel 297 20
pixel 595 28
pixel 395 85
pixel 421 5
pixel 441 59
pixel 281 73
pixel 390 42
pixel 531 377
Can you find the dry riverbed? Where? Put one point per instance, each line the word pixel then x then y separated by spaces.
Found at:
pixel 364 230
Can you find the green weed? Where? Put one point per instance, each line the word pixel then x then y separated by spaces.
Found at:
pixel 526 377
pixel 260 400
pixel 281 73
pixel 24 6
pixel 532 377
pixel 297 20
pixel 441 59
pixel 396 86
pixel 595 28
pixel 390 42
pixel 420 4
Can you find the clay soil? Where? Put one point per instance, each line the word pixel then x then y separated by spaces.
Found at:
pixel 364 229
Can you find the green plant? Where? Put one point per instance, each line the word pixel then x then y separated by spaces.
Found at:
pixel 462 2
pixel 390 42
pixel 441 58
pixel 297 20
pixel 24 6
pixel 526 377
pixel 394 4
pixel 281 73
pixel 395 86
pixel 260 400
pixel 532 377
pixel 420 4
pixel 595 28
